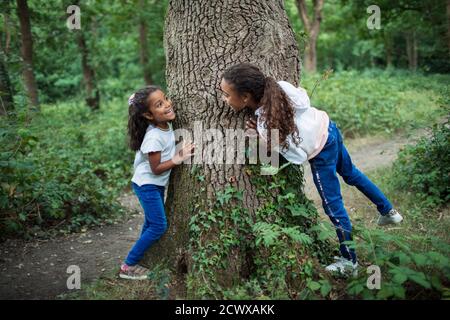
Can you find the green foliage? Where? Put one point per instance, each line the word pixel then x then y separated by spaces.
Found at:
pixel 64 168
pixel 376 101
pixel 423 168
pixel 278 241
pixel 345 42
pixel 112 38
pixel 407 271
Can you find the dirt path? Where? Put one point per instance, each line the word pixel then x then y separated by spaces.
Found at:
pixel 38 270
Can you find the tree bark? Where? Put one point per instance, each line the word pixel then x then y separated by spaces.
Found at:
pixel 27 51
pixel 202 39
pixel 143 45
pixel 92 94
pixel 312 28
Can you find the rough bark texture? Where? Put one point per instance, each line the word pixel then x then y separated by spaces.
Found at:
pixel 202 39
pixel 27 51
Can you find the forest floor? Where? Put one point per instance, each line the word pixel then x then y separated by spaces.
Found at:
pixel 38 269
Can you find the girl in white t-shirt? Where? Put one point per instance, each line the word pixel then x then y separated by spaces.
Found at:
pixel 305 134
pixel 151 136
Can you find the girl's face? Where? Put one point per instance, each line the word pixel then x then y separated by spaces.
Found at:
pixel 231 97
pixel 160 108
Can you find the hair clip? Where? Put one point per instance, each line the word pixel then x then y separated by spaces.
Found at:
pixel 131 99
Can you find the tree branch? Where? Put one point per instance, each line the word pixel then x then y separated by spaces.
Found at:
pixel 303 12
pixel 318 6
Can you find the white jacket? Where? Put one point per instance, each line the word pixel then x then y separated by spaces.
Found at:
pixel 312 126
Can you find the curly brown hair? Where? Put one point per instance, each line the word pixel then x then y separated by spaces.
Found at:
pixel 277 109
pixel 137 123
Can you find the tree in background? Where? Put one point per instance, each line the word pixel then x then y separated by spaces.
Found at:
pixel 6 92
pixel 312 28
pixel 143 42
pixel 27 51
pixel 92 93
pixel 448 25
pixel 89 78
pixel 413 33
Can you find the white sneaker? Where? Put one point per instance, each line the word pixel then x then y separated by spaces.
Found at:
pixel 392 217
pixel 343 266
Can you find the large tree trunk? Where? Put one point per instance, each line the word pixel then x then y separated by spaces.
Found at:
pixel 202 39
pixel 27 51
pixel 92 93
pixel 312 28
pixel 143 44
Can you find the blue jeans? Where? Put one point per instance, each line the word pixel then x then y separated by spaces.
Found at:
pixel 151 198
pixel 334 158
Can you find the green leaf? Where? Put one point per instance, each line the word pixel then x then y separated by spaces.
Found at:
pixel 325 288
pixel 399 292
pixel 420 279
pixel 420 259
pixel 399 278
pixel 297 211
pixel 436 282
pixel 313 285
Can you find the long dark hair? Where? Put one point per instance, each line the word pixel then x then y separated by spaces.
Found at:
pixel 277 110
pixel 137 123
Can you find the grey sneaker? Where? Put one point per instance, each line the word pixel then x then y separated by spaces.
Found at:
pixel 343 266
pixel 136 272
pixel 392 217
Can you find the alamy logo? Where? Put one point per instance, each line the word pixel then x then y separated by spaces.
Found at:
pixel 74 280
pixel 374 280
pixel 228 147
pixel 74 20
pixel 374 21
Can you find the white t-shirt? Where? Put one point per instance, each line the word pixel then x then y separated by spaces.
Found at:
pixel 155 139
pixel 312 125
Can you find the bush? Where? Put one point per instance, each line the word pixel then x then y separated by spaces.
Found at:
pixel 65 167
pixel 407 270
pixel 424 168
pixel 377 101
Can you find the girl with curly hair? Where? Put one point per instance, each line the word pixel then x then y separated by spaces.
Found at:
pixel 306 134
pixel 152 138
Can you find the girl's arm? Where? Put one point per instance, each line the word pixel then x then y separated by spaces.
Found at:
pixel 159 167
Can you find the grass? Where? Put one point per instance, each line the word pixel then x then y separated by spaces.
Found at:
pixel 427 222
pixel 378 101
pixel 159 286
